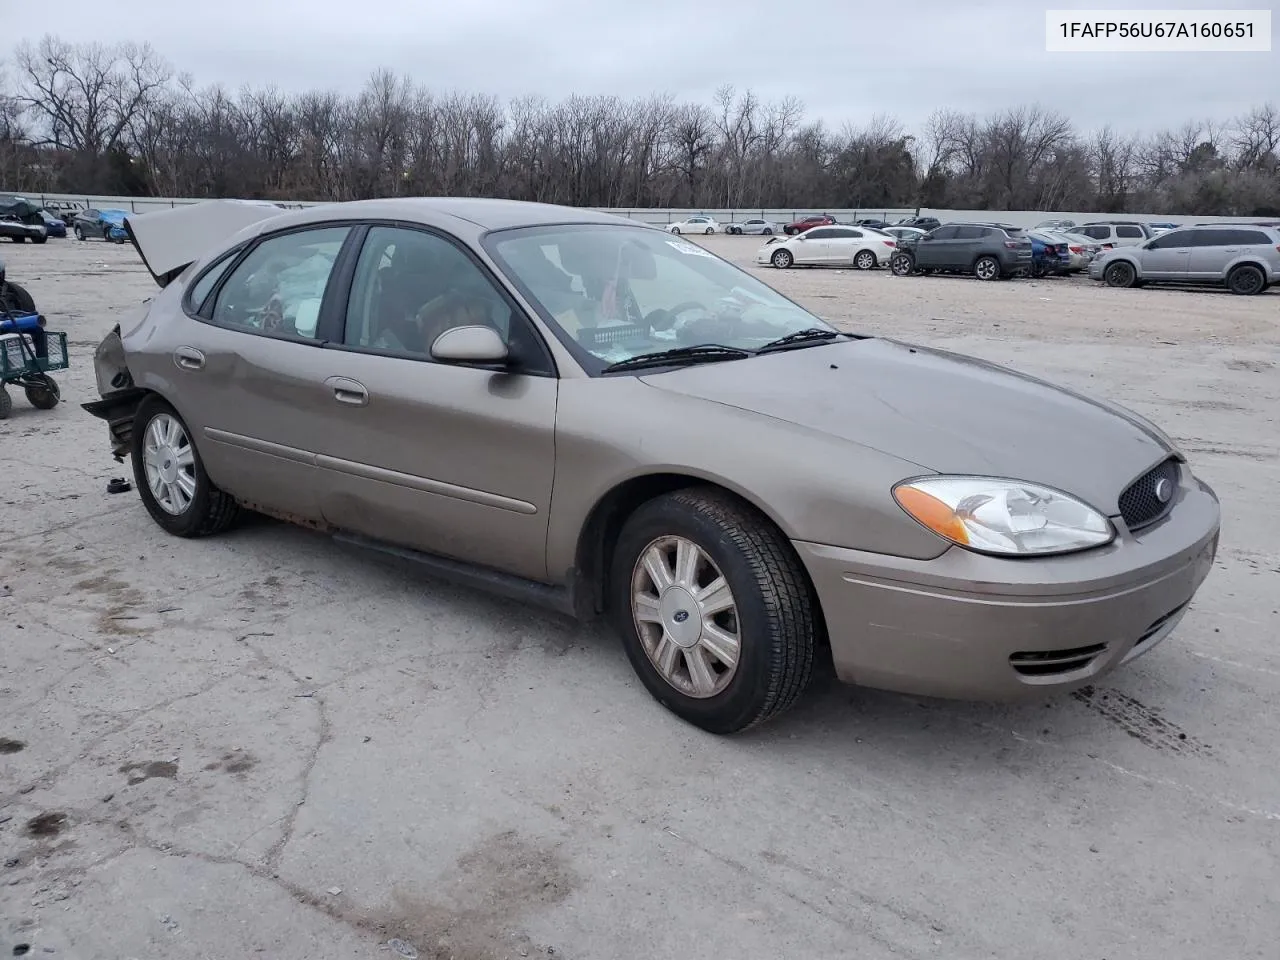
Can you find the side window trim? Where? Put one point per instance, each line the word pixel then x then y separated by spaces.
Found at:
pixel 224 262
pixel 211 299
pixel 341 298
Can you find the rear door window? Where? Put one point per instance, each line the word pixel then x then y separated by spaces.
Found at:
pixel 1129 232
pixel 970 233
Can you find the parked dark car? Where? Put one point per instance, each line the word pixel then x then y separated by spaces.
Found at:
pixel 53 226
pixel 987 250
pixel 20 220
pixel 107 224
pixel 924 223
pixel 1050 254
pixel 800 226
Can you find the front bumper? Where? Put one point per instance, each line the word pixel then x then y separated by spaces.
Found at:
pixel 974 627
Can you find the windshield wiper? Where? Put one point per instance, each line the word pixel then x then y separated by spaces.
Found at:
pixel 678 356
pixel 807 335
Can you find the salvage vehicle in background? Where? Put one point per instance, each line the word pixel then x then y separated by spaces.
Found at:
pixel 1050 253
pixel 698 224
pixel 763 227
pixel 1244 259
pixel 835 246
pixel 989 251
pixel 519 396
pixel 20 220
pixel 54 226
pixel 1083 250
pixel 804 223
pixel 107 224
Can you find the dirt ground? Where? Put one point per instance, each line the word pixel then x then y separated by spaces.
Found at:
pixel 260 744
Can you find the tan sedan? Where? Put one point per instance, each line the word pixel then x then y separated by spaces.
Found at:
pixel 586 412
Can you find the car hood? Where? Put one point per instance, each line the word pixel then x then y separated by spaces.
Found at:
pixel 944 412
pixel 171 240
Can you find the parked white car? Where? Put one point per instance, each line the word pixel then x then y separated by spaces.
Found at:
pixel 831 246
pixel 697 224
pixel 1083 250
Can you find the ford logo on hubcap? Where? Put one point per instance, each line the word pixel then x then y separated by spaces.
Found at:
pixel 681 616
pixel 1164 490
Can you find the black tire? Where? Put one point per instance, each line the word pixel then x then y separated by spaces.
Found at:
pixel 1246 280
pixel 987 268
pixel 6 403
pixel 768 232
pixel 865 260
pixel 709 231
pixel 16 298
pixel 1120 274
pixel 778 621
pixel 676 231
pixel 902 265
pixel 43 394
pixel 40 239
pixel 78 232
pixel 210 511
pixel 782 259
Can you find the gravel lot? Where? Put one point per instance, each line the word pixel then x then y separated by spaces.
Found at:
pixel 262 744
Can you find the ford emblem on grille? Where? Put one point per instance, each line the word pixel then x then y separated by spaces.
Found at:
pixel 1164 490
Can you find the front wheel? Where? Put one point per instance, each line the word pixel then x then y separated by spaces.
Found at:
pixel 79 233
pixel 171 478
pixel 714 610
pixel 1246 281
pixel 6 403
pixel 865 260
pixel 986 268
pixel 40 239
pixel 675 230
pixel 1120 275
pixel 782 259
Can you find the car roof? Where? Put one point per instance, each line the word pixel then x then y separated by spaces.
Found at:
pixel 486 213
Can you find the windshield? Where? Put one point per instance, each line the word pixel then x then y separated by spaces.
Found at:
pixel 615 292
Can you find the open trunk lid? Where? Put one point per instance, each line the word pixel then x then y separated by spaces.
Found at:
pixel 171 240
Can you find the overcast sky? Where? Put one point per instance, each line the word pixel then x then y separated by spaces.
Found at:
pixel 845 59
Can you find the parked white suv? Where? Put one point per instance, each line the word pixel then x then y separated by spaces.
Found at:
pixel 1243 258
pixel 1126 233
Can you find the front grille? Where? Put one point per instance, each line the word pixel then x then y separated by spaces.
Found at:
pixel 1043 663
pixel 1139 505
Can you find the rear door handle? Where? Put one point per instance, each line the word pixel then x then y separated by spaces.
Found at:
pixel 348 391
pixel 189 358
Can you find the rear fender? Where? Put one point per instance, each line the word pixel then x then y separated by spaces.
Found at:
pixel 120 396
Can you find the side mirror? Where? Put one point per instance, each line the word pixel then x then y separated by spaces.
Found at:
pixel 472 344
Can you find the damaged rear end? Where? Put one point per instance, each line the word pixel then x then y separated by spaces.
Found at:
pixel 169 242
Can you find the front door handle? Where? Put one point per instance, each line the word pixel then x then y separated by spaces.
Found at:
pixel 348 391
pixel 188 358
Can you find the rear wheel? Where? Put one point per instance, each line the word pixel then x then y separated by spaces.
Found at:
pixel 709 231
pixel 79 233
pixel 714 610
pixel 768 231
pixel 6 403
pixel 1120 274
pixel 986 268
pixel 171 478
pixel 782 259
pixel 1246 280
pixel 865 260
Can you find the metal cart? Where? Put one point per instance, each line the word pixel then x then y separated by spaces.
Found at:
pixel 28 352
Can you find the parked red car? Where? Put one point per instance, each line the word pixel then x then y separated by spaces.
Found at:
pixel 800 226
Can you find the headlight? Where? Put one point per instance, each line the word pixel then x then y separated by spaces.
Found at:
pixel 1005 517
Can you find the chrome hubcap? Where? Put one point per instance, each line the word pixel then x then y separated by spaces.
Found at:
pixel 686 617
pixel 169 463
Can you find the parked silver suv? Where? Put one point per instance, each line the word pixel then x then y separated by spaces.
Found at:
pixel 1243 258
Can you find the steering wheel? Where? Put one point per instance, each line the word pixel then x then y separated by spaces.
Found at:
pixel 664 319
